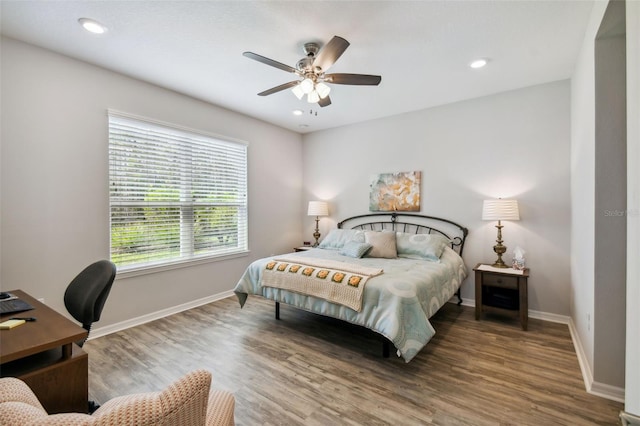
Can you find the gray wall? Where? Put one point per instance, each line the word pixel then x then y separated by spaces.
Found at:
pixel 632 370
pixel 598 175
pixel 55 201
pixel 514 144
pixel 610 197
pixel 583 194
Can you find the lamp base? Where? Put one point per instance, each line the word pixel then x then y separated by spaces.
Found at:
pixel 500 249
pixel 500 264
pixel 316 234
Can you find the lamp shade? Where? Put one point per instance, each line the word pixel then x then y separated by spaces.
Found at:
pixel 500 210
pixel 318 208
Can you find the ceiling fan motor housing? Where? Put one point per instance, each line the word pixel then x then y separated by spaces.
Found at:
pixel 305 64
pixel 311 49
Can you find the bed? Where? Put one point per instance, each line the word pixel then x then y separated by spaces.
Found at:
pixel 397 292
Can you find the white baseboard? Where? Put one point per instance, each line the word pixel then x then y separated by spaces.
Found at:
pixel 545 316
pixel 465 302
pixel 103 331
pixel 629 419
pixel 602 390
pixel 613 393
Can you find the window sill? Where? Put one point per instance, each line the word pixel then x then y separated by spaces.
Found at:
pixel 129 272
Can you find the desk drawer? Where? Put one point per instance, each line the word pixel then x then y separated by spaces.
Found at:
pixel 502 281
pixel 61 385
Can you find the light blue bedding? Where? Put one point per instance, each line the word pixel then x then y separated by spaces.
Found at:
pixel 396 304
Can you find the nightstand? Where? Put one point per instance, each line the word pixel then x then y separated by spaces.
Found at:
pixel 502 290
pixel 302 248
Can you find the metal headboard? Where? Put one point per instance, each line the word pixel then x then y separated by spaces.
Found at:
pixel 410 223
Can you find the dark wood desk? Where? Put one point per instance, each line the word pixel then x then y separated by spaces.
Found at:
pixel 43 354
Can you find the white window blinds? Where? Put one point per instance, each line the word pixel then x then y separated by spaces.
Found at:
pixel 175 195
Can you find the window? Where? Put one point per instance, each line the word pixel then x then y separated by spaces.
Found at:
pixel 174 195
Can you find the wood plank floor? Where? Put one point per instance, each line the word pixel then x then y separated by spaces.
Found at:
pixel 310 370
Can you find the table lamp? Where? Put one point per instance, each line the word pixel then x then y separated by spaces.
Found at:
pixel 500 210
pixel 317 209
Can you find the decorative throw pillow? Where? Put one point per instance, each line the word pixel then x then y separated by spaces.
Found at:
pixel 421 246
pixel 383 244
pixel 355 249
pixel 337 238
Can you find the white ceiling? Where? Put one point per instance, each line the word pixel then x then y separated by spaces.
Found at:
pixel 420 48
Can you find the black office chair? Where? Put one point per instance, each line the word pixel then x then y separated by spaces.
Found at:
pixel 86 294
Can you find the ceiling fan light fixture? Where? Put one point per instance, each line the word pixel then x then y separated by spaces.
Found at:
pixel 323 90
pixel 297 90
pixel 307 85
pixel 313 97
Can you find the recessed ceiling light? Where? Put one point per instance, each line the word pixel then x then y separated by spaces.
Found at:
pixel 478 63
pixel 92 26
pixel 297 112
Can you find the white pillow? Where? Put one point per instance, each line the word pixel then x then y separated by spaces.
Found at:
pixel 383 244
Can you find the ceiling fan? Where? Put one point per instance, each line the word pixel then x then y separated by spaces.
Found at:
pixel 311 70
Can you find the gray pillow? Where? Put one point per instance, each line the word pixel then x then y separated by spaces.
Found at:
pixel 383 244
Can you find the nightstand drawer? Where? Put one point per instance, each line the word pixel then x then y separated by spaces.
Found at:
pixel 498 297
pixel 502 281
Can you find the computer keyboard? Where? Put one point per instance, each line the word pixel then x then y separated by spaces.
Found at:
pixel 8 306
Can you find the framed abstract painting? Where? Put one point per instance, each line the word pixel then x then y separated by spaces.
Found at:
pixel 395 192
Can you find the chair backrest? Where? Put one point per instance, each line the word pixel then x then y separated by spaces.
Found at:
pixel 183 403
pixel 86 294
pixel 186 402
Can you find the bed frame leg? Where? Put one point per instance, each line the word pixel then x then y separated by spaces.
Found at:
pixel 277 310
pixel 459 298
pixel 385 348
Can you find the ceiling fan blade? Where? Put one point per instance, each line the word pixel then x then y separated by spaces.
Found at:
pixel 271 62
pixel 353 79
pixel 330 53
pixel 279 88
pixel 323 102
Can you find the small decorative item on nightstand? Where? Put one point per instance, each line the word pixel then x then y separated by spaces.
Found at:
pixel 518 259
pixel 502 290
